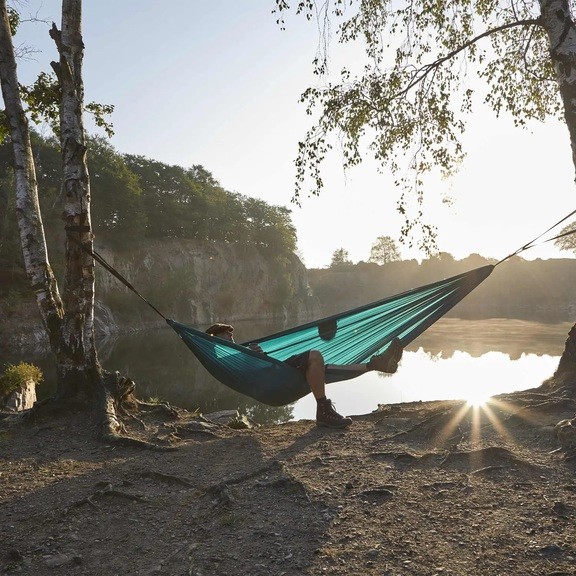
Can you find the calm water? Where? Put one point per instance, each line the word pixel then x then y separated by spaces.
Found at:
pixel 453 359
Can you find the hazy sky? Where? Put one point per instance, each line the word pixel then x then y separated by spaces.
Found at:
pixel 218 84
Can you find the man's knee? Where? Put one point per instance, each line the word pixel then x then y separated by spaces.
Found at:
pixel 315 359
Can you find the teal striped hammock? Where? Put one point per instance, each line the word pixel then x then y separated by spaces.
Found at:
pixel 351 337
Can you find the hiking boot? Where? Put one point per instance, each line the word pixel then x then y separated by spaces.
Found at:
pixel 327 416
pixel 388 360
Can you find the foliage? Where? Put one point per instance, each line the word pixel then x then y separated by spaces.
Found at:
pixel 10 250
pixel 43 105
pixel 384 250
pixel 117 207
pixel 42 98
pixel 340 257
pixel 171 195
pixel 406 102
pixel 567 238
pixel 15 376
pixel 135 198
pixel 269 226
pixel 190 203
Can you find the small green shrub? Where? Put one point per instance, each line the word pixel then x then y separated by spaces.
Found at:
pixel 16 376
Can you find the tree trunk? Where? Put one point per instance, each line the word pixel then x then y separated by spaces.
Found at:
pixel 79 366
pixel 27 207
pixel 561 30
pixel 68 320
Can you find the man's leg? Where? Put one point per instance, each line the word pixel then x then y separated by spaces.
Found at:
pixel 315 376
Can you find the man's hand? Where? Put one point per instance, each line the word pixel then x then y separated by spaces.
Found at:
pixel 256 347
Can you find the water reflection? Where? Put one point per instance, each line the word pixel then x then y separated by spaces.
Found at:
pixel 452 359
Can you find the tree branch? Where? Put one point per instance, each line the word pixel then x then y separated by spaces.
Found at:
pixel 420 74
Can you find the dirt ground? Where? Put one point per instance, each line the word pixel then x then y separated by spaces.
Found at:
pixel 411 489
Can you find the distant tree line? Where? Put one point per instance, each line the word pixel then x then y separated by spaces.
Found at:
pixel 383 251
pixel 134 197
pixel 538 290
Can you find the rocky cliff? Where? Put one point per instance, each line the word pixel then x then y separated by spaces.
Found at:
pixel 193 282
pixel 202 282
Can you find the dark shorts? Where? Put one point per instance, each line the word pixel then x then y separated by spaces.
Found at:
pixel 299 361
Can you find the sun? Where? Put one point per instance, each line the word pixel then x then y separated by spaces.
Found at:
pixel 477 398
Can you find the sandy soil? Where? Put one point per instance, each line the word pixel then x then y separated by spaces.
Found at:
pixel 412 489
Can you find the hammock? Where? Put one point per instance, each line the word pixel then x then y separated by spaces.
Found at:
pixel 351 337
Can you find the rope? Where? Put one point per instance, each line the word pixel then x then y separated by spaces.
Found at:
pixel 531 244
pixel 100 259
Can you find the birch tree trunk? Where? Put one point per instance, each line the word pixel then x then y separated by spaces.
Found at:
pixel 28 214
pixel 68 319
pixel 559 24
pixel 80 364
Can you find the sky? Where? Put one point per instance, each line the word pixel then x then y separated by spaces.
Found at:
pixel 218 84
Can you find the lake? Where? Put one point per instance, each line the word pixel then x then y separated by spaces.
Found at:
pixel 454 359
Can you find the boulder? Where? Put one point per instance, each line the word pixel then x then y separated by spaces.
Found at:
pixel 22 398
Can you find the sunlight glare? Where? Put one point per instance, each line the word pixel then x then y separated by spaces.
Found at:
pixel 477 398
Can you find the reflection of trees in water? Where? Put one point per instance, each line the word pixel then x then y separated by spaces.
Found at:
pixel 478 337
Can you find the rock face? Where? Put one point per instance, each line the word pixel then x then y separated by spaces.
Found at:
pixel 22 398
pixel 193 282
pixel 202 282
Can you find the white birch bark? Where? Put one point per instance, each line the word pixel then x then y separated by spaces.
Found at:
pixel 78 291
pixel 69 320
pixel 27 207
pixel 558 22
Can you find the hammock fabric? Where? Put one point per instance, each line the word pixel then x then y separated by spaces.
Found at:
pixel 351 337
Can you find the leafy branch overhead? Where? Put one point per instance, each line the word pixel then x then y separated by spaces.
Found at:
pixel 407 101
pixel 42 98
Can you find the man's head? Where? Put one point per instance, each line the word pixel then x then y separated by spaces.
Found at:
pixel 221 330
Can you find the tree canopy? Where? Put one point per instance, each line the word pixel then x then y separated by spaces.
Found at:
pixel 340 257
pixel 135 197
pixel 384 250
pixel 427 66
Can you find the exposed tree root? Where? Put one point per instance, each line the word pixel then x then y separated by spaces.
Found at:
pixel 161 408
pixel 107 491
pixel 112 407
pixel 540 413
pixel 166 478
pixel 273 465
pixel 437 428
pixel 195 428
pixel 118 398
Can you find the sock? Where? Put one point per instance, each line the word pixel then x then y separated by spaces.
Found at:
pixel 323 399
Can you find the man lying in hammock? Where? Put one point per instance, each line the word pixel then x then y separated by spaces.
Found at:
pixel 311 364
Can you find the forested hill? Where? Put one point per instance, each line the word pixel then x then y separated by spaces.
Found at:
pixel 196 251
pixel 135 198
pixel 540 290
